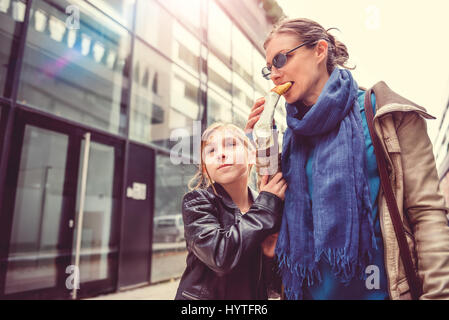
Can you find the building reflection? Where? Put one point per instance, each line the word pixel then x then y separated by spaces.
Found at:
pixel 128 74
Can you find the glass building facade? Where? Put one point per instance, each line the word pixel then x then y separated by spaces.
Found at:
pixel 90 95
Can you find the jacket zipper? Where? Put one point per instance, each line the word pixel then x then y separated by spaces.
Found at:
pixel 260 265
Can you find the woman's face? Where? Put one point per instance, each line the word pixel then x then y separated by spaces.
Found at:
pixel 304 67
pixel 225 157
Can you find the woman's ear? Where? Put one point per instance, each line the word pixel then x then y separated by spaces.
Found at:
pixel 321 50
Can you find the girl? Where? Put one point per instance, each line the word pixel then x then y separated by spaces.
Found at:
pixel 336 228
pixel 226 222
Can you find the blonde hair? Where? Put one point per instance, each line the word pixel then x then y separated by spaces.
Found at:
pixel 202 179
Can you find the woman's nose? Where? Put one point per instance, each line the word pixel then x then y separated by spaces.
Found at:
pixel 275 74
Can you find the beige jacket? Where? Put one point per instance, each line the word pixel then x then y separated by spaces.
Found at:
pixel 401 127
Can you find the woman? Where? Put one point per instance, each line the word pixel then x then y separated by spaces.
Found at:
pixel 226 222
pixel 337 240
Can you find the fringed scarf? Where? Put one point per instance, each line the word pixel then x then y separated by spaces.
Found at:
pixel 335 222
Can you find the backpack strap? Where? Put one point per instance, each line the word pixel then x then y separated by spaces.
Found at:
pixel 406 257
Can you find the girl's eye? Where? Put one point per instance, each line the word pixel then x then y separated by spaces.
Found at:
pixel 210 150
pixel 231 143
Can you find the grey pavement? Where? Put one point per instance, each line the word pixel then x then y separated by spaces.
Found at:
pixel 160 291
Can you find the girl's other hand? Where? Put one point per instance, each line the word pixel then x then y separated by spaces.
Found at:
pixel 269 244
pixel 277 185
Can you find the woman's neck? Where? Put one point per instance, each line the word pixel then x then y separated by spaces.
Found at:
pixel 238 191
pixel 316 90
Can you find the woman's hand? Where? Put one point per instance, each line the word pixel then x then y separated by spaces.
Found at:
pixel 254 116
pixel 269 244
pixel 277 185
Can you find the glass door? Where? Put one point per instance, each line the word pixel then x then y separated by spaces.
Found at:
pixel 65 186
pixel 95 250
pixel 37 248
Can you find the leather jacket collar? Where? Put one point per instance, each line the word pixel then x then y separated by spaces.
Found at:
pixel 226 198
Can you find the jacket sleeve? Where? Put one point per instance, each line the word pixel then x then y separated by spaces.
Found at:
pixel 221 248
pixel 425 207
pixel 272 277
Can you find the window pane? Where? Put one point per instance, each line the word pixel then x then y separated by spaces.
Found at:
pixel 185 49
pixel 243 93
pixel 242 51
pixel 159 29
pixel 34 250
pixel 189 12
pixel 12 15
pixel 219 76
pixel 260 83
pixel 99 247
pixel 240 117
pixel 219 32
pixel 218 108
pixel 164 98
pixel 154 25
pixel 120 10
pixel 169 247
pixel 184 102
pixel 79 74
pixel 150 95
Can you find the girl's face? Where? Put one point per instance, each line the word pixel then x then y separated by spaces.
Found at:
pixel 225 157
pixel 304 66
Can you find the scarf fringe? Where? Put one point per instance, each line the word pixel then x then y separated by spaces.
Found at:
pixel 298 256
pixel 294 276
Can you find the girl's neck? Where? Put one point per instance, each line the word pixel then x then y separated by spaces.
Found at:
pixel 238 191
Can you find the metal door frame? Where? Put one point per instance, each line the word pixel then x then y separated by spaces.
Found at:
pixel 28 116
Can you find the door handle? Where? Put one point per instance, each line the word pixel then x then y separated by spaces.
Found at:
pixel 79 221
pixel 71 223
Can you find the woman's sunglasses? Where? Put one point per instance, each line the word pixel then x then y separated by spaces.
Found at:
pixel 280 60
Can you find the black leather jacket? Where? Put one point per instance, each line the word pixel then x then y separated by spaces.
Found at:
pixel 225 260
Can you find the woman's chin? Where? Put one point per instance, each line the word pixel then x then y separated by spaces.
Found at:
pixel 291 97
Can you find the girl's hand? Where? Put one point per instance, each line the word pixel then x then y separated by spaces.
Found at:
pixel 269 244
pixel 277 185
pixel 254 116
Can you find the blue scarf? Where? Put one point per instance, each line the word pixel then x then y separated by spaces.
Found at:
pixel 335 222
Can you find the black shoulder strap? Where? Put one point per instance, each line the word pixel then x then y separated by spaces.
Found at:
pixel 413 279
